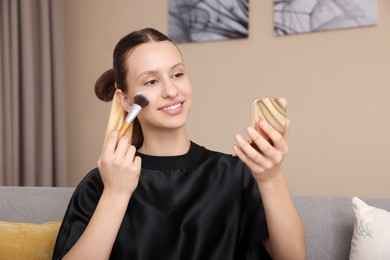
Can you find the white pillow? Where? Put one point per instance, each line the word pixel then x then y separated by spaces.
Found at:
pixel 371 233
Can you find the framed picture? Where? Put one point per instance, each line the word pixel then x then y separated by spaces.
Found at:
pixel 301 16
pixel 207 20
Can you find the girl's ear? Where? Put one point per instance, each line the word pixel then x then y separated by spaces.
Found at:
pixel 123 100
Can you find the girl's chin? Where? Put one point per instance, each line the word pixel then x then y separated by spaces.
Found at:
pixel 163 121
pixel 166 125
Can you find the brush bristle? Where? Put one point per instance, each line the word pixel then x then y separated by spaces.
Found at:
pixel 141 100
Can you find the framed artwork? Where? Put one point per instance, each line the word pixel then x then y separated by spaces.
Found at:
pixel 207 20
pixel 302 16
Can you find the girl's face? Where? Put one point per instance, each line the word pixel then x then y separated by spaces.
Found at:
pixel 157 69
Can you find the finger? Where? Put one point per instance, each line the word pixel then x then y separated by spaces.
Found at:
pixel 277 139
pixel 263 144
pixel 246 160
pixel 250 154
pixel 135 167
pixel 109 147
pixel 280 146
pixel 130 153
pixel 137 163
pixel 242 143
pixel 287 129
pixel 122 147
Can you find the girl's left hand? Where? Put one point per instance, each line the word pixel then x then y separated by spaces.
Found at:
pixel 266 163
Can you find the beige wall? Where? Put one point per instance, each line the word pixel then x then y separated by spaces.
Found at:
pixel 336 83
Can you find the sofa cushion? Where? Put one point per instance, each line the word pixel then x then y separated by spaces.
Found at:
pixel 27 240
pixel 371 233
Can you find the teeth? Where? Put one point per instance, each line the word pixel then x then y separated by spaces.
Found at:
pixel 171 107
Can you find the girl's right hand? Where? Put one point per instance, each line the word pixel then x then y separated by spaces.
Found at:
pixel 119 168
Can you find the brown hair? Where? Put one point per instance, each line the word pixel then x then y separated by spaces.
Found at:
pixel 105 85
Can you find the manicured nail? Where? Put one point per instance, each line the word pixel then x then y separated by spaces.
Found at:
pixel 263 124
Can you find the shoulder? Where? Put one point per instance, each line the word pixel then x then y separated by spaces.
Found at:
pixel 92 179
pixel 223 161
pixel 231 165
pixel 217 155
pixel 91 186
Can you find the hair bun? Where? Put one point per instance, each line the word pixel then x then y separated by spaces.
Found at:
pixel 105 86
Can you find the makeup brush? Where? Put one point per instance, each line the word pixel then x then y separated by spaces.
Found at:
pixel 140 101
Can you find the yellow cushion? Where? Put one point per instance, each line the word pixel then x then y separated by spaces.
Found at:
pixel 27 240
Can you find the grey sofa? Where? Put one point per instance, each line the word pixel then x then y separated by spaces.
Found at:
pixel 328 220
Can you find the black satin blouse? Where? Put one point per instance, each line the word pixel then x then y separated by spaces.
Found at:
pixel 200 205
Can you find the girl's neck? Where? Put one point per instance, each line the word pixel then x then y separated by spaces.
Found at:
pixel 168 143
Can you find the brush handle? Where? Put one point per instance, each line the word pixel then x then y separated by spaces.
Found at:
pixel 123 129
pixel 135 109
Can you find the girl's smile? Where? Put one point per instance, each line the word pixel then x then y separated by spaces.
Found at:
pixel 173 108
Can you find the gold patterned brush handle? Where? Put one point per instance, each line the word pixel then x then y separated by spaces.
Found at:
pixel 271 109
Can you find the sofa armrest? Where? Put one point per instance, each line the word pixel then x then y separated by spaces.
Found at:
pixel 34 204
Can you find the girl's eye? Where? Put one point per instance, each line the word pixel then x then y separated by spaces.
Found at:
pixel 178 75
pixel 151 82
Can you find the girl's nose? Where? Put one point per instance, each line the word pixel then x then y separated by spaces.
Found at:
pixel 169 90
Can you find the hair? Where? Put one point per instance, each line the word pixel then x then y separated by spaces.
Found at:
pixel 114 78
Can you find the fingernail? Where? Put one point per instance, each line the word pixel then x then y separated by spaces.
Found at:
pixel 251 130
pixel 263 124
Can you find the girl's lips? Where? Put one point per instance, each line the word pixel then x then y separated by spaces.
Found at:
pixel 172 108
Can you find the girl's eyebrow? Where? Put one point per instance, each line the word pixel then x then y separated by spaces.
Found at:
pixel 148 72
pixel 155 72
pixel 178 65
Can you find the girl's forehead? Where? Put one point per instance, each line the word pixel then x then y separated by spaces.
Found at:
pixel 151 49
pixel 153 54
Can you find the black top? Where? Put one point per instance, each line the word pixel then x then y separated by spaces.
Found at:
pixel 200 205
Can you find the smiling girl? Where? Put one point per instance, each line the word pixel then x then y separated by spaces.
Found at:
pixel 166 197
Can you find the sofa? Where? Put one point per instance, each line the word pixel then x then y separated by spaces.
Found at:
pixel 328 220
